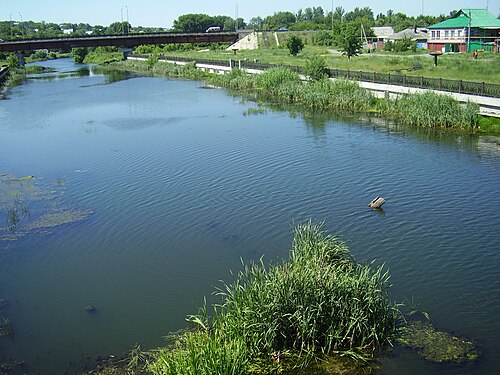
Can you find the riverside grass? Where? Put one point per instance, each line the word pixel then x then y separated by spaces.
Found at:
pixel 319 302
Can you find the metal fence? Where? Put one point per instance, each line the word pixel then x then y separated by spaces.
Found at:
pixel 450 85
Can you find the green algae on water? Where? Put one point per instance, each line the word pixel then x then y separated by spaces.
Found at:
pixel 28 206
pixel 437 346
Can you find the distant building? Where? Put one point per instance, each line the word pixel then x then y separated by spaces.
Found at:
pixel 381 34
pixel 417 34
pixel 67 31
pixel 453 34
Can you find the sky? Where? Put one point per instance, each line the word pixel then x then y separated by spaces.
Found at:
pixel 164 12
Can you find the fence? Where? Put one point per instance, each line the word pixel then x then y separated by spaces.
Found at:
pixel 456 86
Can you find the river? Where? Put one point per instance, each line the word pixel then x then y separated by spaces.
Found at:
pixel 178 182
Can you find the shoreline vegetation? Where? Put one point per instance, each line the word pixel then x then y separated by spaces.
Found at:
pixel 319 312
pixel 287 317
pixel 282 85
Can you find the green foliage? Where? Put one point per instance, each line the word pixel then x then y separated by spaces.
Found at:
pixel 433 110
pixel 12 61
pixel 103 55
pixel 151 61
pixel 279 19
pixel 349 40
pixel 323 38
pixel 317 302
pixel 294 45
pixel 199 23
pixel 402 45
pixel 315 68
pixel 271 79
pixel 79 54
pixel 118 28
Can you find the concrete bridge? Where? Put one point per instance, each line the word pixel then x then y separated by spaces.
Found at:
pixel 130 40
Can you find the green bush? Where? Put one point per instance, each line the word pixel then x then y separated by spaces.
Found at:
pixel 315 68
pixel 294 45
pixel 323 38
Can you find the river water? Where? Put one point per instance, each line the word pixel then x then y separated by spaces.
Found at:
pixel 180 182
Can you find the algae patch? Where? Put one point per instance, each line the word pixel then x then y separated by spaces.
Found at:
pixel 27 205
pixel 437 346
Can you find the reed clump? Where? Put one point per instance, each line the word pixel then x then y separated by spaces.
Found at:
pixel 434 110
pixel 319 302
pixel 285 86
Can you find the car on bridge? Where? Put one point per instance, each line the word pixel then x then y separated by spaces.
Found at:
pixel 213 29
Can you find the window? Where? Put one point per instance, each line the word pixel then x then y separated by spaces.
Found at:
pixel 446 32
pixel 433 34
pixel 438 34
pixel 452 32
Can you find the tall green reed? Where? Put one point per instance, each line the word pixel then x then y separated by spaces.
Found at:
pixel 318 302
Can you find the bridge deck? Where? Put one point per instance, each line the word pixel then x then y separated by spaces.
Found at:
pixel 131 40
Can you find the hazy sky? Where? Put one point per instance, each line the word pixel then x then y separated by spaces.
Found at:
pixel 163 12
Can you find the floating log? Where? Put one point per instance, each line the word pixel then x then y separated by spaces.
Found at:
pixel 377 203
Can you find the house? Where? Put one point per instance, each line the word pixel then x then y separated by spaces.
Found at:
pixel 417 34
pixel 469 30
pixel 381 34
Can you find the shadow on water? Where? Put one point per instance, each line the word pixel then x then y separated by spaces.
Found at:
pixel 318 121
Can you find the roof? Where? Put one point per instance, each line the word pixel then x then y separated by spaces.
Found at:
pixel 479 18
pixel 383 31
pixel 409 33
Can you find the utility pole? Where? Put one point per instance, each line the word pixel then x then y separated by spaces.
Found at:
pixel 121 12
pixel 236 17
pixel 332 18
pixel 468 34
pixel 422 7
pixel 22 28
pixel 128 23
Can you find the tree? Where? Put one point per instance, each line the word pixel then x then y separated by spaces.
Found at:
pixel 294 45
pixel 280 19
pixel 118 28
pixel 79 54
pixel 194 23
pixel 255 23
pixel 315 68
pixel 349 40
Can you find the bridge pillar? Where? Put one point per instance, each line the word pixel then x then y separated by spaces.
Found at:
pixel 232 64
pixel 20 58
pixel 126 52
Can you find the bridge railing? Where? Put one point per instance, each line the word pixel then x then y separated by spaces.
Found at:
pixel 449 85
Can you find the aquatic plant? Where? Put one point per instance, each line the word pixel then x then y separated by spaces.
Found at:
pixel 436 346
pixel 320 301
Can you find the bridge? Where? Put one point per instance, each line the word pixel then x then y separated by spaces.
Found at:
pixel 129 40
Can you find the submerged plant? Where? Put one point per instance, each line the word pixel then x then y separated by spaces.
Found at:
pixel 436 346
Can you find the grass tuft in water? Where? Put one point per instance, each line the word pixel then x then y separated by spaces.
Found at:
pixel 319 302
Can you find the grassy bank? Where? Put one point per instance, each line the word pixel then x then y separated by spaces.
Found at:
pixel 319 302
pixel 450 66
pixel 281 85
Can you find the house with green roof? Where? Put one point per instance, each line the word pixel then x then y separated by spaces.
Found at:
pixel 469 30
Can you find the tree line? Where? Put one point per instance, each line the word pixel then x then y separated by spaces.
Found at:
pixel 310 18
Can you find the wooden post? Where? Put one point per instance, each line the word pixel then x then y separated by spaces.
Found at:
pixel 377 203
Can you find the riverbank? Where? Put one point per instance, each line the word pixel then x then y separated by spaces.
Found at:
pixel 428 109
